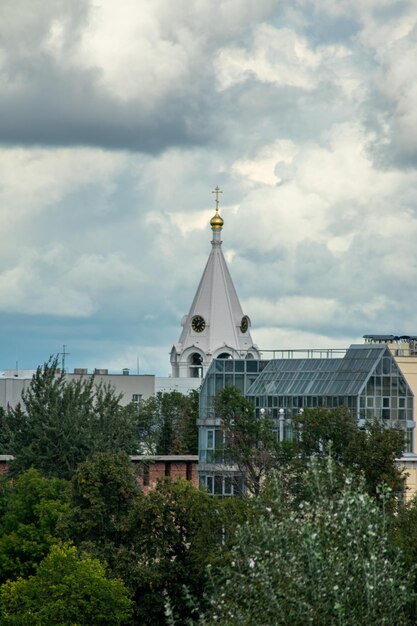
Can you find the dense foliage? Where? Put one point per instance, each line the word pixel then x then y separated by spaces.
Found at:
pixel 329 559
pixel 168 423
pixel 31 509
pixel 60 423
pixel 319 542
pixel 67 589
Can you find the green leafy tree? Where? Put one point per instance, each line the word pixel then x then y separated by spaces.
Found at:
pixel 374 451
pixel 61 423
pixel 156 543
pixel 178 529
pixel 104 498
pixel 67 590
pixel 168 423
pixel 31 510
pixel 405 536
pixel 251 442
pixel 323 429
pixel 327 560
pixel 405 530
pixel 4 432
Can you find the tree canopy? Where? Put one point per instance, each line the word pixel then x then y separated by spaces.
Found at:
pixel 68 589
pixel 328 559
pixel 60 423
pixel 168 423
pixel 31 508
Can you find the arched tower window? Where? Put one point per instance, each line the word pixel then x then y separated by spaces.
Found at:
pixel 196 365
pixel 224 355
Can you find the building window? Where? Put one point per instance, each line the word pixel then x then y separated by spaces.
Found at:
pixel 220 485
pixel 196 365
pixel 408 444
pixel 209 484
pixel 189 471
pixel 136 398
pixel 168 468
pixel 227 486
pixel 146 474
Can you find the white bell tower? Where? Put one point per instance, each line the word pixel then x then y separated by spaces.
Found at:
pixel 215 326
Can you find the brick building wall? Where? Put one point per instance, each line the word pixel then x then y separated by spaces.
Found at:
pixel 4 463
pixel 151 468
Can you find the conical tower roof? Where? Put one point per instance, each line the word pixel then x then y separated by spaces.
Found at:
pixel 215 324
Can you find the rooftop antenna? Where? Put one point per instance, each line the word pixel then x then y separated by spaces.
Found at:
pixel 63 354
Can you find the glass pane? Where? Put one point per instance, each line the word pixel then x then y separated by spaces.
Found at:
pixel 219 439
pixel 370 389
pixel 210 439
pixel 218 485
pixel 229 365
pixel 408 440
pixel 219 383
pixel 251 366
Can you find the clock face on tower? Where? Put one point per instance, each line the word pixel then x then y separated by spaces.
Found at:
pixel 198 324
pixel 244 324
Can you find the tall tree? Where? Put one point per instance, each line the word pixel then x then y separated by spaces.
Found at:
pixel 61 423
pixel 104 497
pixel 168 423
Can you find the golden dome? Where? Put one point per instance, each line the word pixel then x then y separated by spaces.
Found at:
pixel 216 221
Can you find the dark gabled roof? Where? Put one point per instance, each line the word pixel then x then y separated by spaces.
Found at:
pixel 320 377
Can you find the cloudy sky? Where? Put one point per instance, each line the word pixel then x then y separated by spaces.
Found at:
pixel 118 118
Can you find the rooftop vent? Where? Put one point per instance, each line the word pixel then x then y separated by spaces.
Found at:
pixel 80 370
pixel 101 372
pixel 125 371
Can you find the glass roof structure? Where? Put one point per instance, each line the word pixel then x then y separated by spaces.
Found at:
pixel 367 380
pixel 319 377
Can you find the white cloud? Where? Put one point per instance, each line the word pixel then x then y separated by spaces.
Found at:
pixel 34 179
pixel 268 165
pixel 149 49
pixel 283 57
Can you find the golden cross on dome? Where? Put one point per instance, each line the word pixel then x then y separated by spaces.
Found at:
pixel 217 191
